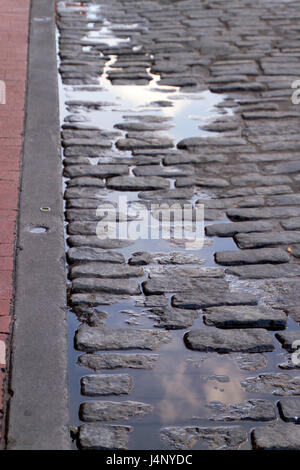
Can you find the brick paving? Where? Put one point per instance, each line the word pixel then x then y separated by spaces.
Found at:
pixel 14 21
pixel 221 361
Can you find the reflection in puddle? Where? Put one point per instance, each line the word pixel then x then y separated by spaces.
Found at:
pixel 185 113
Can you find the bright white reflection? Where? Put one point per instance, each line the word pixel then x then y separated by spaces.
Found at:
pixel 184 111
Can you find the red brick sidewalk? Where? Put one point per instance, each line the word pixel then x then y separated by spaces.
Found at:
pixel 14 20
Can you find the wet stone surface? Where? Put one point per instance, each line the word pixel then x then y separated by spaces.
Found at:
pixel 112 411
pixel 181 103
pixel 253 410
pixel 97 385
pixel 289 409
pixel 221 341
pixel 97 339
pixel 275 383
pixel 95 436
pixel 118 361
pixel 245 317
pixel 276 437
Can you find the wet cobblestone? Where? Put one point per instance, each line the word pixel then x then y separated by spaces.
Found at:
pixel 189 104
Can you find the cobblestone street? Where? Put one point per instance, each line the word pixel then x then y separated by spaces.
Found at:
pixel 193 106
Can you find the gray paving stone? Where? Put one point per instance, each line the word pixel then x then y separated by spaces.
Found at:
pixel 84 227
pixel 99 171
pixel 152 301
pixel 149 143
pixel 83 255
pixel 295 250
pixel 118 361
pixel 96 339
pixel 86 181
pixel 278 189
pixel 141 183
pixel 80 241
pixel 218 438
pixel 85 203
pixel 277 383
pixel 167 172
pixel 276 437
pixel 259 256
pixel 205 300
pixel 175 258
pixel 106 286
pixel 184 158
pixel 89 215
pixel 173 318
pixel 247 67
pixel 221 126
pixel 87 151
pixel 260 180
pixel 245 317
pixel 265 271
pixel 141 258
pixel 142 126
pixel 289 363
pixel 178 81
pixel 94 300
pixel 89 192
pixel 287 338
pixel 160 285
pixel 252 410
pixel 226 341
pixel 291 224
pixel 294 312
pixel 106 384
pixel 237 192
pixel 113 411
pixel 289 409
pixel 183 182
pixel 163 271
pixel 192 143
pixel 172 194
pixel 234 87
pixel 282 212
pixel 103 270
pixel 230 229
pixel 253 361
pixel 260 240
pixel 283 168
pixel 86 143
pixel 94 436
pixel 226 203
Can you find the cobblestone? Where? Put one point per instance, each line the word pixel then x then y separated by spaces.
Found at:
pixel 225 341
pixel 241 163
pixel 94 436
pixel 97 339
pixel 112 411
pixel 225 437
pixel 104 384
pixel 276 437
pixel 118 361
pixel 253 410
pixel 289 409
pixel 245 317
pixel 267 255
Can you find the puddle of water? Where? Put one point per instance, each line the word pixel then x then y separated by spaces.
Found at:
pixel 185 114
